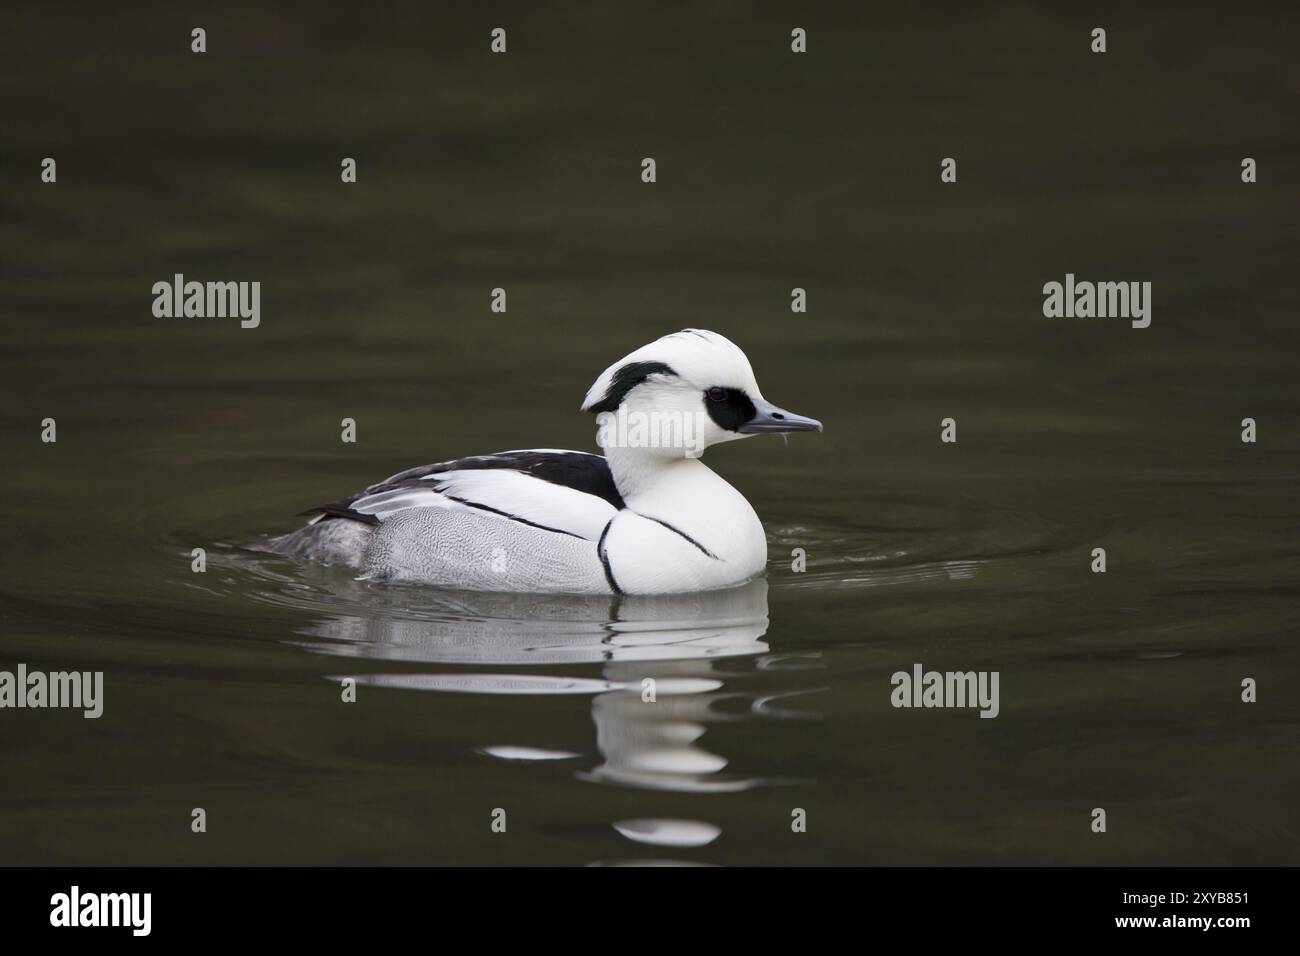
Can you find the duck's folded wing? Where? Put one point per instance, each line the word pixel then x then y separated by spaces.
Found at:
pixel 566 492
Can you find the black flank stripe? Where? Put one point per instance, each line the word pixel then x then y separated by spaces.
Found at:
pixel 682 533
pixel 506 514
pixel 604 559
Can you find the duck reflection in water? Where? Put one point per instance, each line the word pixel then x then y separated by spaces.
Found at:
pixel 660 686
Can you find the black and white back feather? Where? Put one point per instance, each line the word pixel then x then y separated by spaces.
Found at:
pixel 566 492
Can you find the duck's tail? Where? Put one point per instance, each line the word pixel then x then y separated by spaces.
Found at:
pixel 330 541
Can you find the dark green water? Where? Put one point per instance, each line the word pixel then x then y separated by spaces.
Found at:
pixel 1119 690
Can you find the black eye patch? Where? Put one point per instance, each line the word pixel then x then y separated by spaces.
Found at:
pixel 728 407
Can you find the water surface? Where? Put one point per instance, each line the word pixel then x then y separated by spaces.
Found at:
pixel 223 689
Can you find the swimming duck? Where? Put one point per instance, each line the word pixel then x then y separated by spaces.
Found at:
pixel 646 518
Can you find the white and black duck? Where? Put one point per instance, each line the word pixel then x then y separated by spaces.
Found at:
pixel 646 518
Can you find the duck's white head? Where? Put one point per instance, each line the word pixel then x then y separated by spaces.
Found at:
pixel 682 393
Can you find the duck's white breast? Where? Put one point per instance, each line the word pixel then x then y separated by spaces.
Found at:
pixel 689 534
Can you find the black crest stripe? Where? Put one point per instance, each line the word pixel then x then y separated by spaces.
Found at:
pixel 625 379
